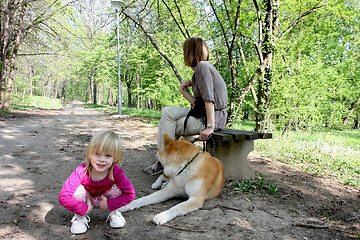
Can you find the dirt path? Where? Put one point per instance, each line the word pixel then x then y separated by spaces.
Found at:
pixel 39 150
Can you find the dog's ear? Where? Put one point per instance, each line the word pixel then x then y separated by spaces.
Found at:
pixel 166 139
pixel 182 139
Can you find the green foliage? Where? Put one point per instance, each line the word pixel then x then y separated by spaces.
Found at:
pixel 310 99
pixel 314 71
pixel 246 125
pixel 257 184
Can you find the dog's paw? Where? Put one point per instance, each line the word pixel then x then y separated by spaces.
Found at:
pixel 159 184
pixel 156 185
pixel 164 184
pixel 125 208
pixel 162 218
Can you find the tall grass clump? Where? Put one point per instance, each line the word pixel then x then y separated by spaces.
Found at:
pixel 327 153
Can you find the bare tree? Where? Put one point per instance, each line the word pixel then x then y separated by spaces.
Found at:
pixel 18 20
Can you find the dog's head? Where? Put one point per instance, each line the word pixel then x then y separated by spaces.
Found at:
pixel 173 154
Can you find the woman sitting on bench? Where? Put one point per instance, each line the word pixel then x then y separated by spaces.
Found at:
pixel 208 87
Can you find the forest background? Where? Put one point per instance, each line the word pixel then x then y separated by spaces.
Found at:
pixel 290 66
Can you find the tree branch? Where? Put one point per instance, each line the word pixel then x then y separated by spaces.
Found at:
pixel 260 40
pixel 297 20
pixel 182 20
pixel 172 15
pixel 221 26
pixel 153 42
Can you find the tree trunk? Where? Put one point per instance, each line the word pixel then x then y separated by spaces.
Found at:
pixel 95 93
pixel 138 96
pixel 53 92
pixel 31 83
pixel 6 103
pixel 100 96
pixel 240 99
pixel 268 36
pixel 356 122
pixel 265 49
pixel 24 91
pixel 352 109
pixel 63 92
pixel 4 48
pixel 3 75
pixel 90 92
pixel 129 93
pixel 92 85
pixel 110 98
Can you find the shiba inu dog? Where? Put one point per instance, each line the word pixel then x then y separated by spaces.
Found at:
pixel 190 173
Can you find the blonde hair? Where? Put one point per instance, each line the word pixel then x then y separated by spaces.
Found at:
pixel 195 50
pixel 105 141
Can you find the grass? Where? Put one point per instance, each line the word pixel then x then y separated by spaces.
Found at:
pixel 259 184
pixel 153 116
pixel 325 152
pixel 32 103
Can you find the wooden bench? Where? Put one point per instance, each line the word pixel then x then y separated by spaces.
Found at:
pixel 232 148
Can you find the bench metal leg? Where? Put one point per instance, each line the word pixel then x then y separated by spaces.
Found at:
pixel 234 156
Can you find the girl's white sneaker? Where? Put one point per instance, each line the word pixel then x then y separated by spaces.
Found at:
pixel 79 224
pixel 115 219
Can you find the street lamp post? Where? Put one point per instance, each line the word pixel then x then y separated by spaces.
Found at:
pixel 118 61
pixel 118 3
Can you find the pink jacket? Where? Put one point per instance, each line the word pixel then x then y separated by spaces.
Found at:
pixel 78 177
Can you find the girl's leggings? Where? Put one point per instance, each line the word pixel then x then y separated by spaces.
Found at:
pixel 81 194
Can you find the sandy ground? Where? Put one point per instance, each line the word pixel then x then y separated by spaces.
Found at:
pixel 39 150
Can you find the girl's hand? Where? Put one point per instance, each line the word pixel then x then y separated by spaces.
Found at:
pixel 103 203
pixel 185 84
pixel 90 206
pixel 204 134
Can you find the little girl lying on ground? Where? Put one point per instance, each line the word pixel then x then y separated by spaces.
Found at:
pixel 98 183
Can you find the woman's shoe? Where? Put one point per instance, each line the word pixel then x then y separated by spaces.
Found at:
pixel 154 169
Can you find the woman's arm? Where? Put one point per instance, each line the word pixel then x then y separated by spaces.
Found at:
pixel 210 116
pixel 185 84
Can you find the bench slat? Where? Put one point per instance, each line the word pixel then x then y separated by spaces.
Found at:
pixel 236 136
pixel 228 134
pixel 265 135
pixel 225 137
pixel 241 135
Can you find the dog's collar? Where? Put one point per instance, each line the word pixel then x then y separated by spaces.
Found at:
pixel 188 163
